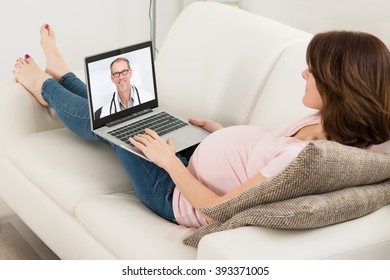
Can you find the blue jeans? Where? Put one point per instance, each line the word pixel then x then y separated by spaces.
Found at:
pixel 153 185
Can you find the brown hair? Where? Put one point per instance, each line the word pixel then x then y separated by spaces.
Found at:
pixel 352 73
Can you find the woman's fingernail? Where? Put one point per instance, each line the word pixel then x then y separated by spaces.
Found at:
pixel 26 56
pixel 46 26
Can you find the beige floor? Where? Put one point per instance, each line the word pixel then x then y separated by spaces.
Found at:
pixel 18 242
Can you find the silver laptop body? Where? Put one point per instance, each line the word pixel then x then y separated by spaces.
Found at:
pixel 107 114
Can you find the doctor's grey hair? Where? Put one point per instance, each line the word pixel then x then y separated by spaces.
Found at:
pixel 120 59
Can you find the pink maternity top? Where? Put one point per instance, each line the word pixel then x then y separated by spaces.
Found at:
pixel 231 156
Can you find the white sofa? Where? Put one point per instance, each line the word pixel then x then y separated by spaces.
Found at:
pixel 217 62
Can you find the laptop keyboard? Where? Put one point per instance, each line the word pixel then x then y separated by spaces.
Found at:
pixel 162 123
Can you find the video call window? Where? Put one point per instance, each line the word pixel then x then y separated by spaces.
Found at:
pixel 105 88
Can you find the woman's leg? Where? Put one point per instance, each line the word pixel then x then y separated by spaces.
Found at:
pixel 72 83
pixel 70 105
pixel 56 66
pixel 72 109
pixel 152 184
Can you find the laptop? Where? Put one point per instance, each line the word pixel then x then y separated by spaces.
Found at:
pixel 115 118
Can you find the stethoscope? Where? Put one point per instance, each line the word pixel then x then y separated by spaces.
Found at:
pixel 113 104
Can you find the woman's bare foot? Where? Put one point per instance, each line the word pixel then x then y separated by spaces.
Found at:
pixel 29 75
pixel 56 66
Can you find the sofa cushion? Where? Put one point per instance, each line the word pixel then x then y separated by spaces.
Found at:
pixel 322 167
pixel 69 168
pixel 365 238
pixel 128 229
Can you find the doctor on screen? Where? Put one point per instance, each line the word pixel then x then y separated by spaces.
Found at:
pixel 126 95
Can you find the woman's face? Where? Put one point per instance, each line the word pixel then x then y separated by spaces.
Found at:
pixel 312 97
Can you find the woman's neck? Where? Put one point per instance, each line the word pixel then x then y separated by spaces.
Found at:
pixel 311 132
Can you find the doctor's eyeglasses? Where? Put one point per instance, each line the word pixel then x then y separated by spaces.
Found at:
pixel 123 72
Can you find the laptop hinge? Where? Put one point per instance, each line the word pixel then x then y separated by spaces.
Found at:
pixel 132 116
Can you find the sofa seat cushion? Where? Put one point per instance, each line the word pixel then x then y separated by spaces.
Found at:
pixel 126 227
pixel 67 168
pixel 365 238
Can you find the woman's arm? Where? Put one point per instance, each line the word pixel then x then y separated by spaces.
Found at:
pixel 198 194
pixel 162 153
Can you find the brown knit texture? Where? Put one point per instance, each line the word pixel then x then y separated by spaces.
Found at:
pixel 327 183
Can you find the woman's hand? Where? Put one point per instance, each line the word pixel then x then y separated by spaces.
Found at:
pixel 154 148
pixel 207 125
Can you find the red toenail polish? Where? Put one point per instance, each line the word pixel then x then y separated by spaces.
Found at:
pixel 27 56
pixel 46 26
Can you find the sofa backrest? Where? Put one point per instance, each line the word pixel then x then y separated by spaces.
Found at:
pixel 281 98
pixel 217 61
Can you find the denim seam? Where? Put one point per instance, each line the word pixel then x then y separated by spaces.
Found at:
pixel 161 188
pixel 63 78
pixel 157 181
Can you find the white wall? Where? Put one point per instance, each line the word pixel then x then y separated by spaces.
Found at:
pixel 83 27
pixel 371 16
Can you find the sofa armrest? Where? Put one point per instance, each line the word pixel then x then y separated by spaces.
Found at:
pixel 21 114
pixel 338 241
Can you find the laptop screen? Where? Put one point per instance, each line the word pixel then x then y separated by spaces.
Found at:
pixel 120 83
